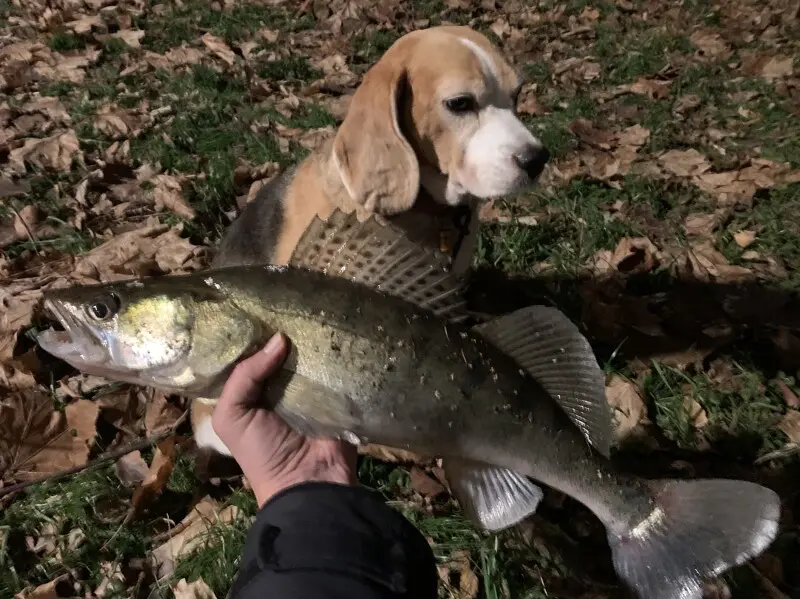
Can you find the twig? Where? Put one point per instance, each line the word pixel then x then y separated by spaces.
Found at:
pixel 31 236
pixel 99 460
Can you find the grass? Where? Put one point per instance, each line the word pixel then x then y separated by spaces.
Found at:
pixel 211 118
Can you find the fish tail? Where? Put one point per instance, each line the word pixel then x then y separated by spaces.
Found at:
pixel 698 530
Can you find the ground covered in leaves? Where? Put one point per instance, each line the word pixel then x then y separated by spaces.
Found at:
pixel 667 224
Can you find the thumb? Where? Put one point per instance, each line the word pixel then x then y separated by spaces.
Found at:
pixel 244 385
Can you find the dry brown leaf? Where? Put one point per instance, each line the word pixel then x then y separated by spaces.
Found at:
pixel 744 238
pixel 59 588
pixel 219 47
pixel 629 409
pixel 710 44
pixel 652 88
pixel 117 123
pixel 468 581
pixel 85 23
pixel 789 397
pixel 684 163
pixel 38 440
pixel 767 66
pixel 193 590
pixel 168 194
pixel 390 454
pixel 635 255
pixel 701 225
pixel 697 413
pixel 424 484
pixel 49 106
pixel 189 534
pixel 55 152
pixel 790 425
pixel 157 475
pixel 113 580
pixel 160 414
pixel 131 37
pixel 131 469
pixel 591 135
pixel 705 262
pixel 146 250
pixel 527 103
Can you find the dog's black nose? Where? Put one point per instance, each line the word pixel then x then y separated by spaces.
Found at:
pixel 532 160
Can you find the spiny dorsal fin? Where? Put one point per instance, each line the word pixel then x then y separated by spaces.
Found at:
pixel 379 254
pixel 552 350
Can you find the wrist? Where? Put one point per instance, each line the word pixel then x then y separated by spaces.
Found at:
pixel 265 488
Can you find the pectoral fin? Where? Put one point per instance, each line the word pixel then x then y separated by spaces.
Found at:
pixel 492 498
pixel 379 254
pixel 549 346
pixel 310 408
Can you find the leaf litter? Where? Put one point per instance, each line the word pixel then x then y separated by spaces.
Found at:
pixel 101 185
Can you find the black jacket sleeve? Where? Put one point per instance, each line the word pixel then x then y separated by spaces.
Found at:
pixel 327 541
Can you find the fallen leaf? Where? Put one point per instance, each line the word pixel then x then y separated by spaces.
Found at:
pixel 684 163
pixel 160 414
pixel 468 582
pixel 701 225
pixel 392 455
pixel 652 88
pixel 55 152
pixel 710 44
pixel 131 469
pixel 744 238
pixel 424 484
pixel 189 534
pixel 59 588
pixel 789 396
pixel 790 425
pixel 131 37
pixel 157 476
pixel 117 123
pixel 697 413
pixel 527 103
pixel 704 262
pixel 50 106
pixel 37 439
pixel 113 581
pixel 193 590
pixel 635 255
pixel 629 409
pixel 219 47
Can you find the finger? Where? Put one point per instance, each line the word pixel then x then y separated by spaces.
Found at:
pixel 247 379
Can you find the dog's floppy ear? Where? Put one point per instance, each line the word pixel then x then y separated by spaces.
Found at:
pixel 374 159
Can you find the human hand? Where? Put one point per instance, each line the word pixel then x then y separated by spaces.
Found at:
pixel 271 454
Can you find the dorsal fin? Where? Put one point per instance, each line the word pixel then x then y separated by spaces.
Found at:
pixel 380 254
pixel 549 346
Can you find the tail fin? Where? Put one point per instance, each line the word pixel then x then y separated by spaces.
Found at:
pixel 699 530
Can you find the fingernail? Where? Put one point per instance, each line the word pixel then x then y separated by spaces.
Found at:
pixel 274 344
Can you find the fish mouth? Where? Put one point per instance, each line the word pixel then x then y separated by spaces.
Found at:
pixel 73 342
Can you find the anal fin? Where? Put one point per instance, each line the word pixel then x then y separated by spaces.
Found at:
pixel 378 253
pixel 492 498
pixel 549 346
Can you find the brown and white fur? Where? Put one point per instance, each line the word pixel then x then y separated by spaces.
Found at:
pixel 431 131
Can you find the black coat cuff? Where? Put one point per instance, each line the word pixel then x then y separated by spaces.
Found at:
pixel 317 534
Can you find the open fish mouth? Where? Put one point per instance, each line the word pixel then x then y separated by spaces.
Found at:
pixel 70 340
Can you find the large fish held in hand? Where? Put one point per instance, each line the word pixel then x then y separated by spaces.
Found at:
pixel 380 354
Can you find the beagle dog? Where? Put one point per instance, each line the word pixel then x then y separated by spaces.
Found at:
pixel 431 131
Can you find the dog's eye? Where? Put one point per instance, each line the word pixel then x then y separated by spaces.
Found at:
pixel 461 104
pixel 104 308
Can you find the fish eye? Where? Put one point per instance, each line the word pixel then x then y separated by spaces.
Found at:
pixel 103 309
pixel 461 104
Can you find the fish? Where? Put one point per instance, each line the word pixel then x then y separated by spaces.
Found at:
pixel 381 352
